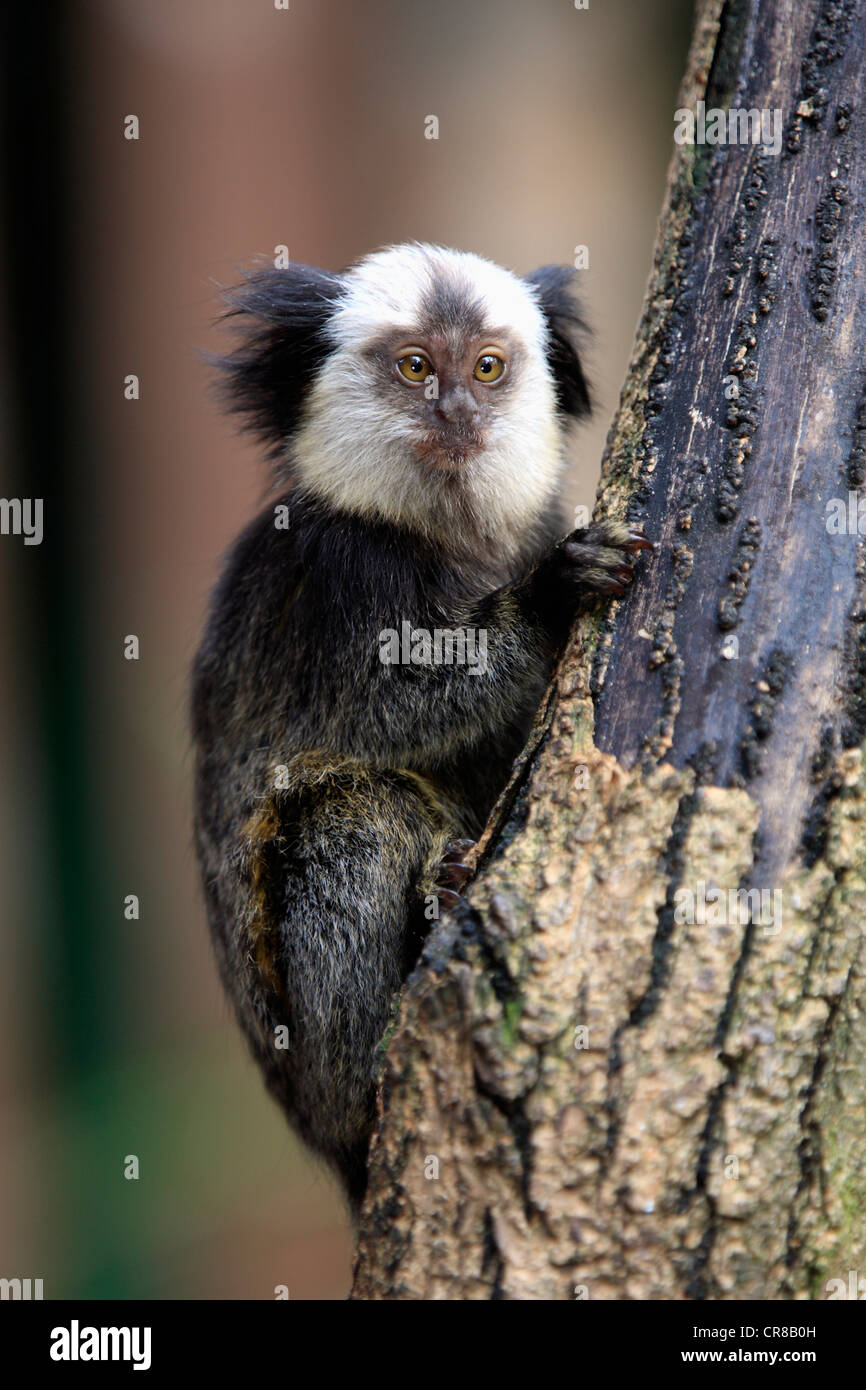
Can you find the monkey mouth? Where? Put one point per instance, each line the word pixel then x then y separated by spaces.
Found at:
pixel 449 451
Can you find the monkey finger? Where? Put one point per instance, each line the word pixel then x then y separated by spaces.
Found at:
pixel 456 849
pixel 454 875
pixel 448 898
pixel 637 540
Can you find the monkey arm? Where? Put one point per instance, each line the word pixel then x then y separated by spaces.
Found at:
pixel 485 672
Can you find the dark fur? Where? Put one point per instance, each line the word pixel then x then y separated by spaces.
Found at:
pixel 315 889
pixel 283 314
pixel 555 286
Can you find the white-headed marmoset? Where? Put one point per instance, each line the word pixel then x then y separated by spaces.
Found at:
pixel 416 408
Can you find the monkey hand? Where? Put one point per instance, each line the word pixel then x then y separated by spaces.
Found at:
pixel 598 557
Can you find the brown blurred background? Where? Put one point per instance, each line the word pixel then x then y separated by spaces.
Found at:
pixel 258 127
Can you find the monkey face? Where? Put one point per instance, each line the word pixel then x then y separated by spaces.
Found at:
pixel 447 386
pixel 436 404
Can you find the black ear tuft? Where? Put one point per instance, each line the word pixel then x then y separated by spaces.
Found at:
pixel 554 285
pixel 282 314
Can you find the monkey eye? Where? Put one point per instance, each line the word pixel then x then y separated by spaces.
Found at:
pixel 489 367
pixel 414 367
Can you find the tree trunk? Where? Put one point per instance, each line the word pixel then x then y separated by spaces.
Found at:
pixel 595 1088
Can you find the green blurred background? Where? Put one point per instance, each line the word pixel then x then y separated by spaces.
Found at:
pixel 258 127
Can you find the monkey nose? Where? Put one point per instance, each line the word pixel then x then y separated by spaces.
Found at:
pixel 456 406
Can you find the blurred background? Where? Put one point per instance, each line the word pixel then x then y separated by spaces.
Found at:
pixel 259 127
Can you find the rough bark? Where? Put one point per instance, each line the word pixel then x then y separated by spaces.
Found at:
pixel 705 1136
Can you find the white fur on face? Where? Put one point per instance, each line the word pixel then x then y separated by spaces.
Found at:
pixel 354 447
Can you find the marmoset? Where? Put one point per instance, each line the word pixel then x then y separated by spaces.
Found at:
pixel 415 408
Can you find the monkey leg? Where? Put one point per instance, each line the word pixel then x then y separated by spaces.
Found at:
pixel 337 865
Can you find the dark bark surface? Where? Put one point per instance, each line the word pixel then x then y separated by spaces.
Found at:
pixel 767 290
pixel 589 1094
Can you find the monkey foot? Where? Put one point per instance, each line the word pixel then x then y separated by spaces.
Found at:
pixel 454 873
